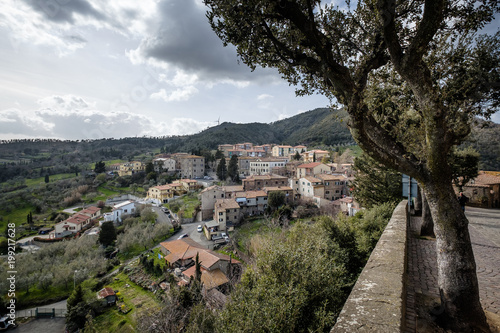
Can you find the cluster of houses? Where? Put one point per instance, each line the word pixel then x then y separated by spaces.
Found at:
pixel 322 184
pixel 216 269
pixel 183 164
pixel 89 216
pixel 76 223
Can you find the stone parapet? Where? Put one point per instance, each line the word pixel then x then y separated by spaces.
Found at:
pixel 377 301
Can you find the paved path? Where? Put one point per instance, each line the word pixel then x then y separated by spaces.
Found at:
pixel 484 228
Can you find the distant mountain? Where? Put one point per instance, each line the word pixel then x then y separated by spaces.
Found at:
pixel 317 127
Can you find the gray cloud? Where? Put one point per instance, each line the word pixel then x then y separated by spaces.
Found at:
pixel 65 10
pixel 186 41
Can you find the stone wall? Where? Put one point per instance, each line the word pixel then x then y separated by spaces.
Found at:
pixel 377 301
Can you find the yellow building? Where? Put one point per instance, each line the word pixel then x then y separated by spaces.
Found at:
pixel 129 168
pixel 161 193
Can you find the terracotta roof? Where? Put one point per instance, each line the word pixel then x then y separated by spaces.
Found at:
pixel 187 248
pixel 233 188
pixel 105 292
pixel 213 187
pixel 264 177
pixel 319 151
pixel 188 181
pixel 211 279
pixel 276 160
pixel 325 176
pixel 226 204
pixel 313 179
pixel 189 156
pixel 485 178
pixel 251 194
pixel 163 187
pixel 277 188
pixel 90 210
pixel 309 165
pixel 77 219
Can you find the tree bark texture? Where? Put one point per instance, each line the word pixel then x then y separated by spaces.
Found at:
pixel 457 279
pixel 427 226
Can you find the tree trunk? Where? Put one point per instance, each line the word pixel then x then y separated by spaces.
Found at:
pixel 427 226
pixel 457 279
pixel 418 201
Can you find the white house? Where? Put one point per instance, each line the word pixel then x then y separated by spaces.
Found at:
pixel 164 164
pixel 123 208
pixel 76 222
pixel 265 166
pixel 72 225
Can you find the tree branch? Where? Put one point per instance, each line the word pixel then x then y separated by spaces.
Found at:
pixel 427 28
pixel 387 14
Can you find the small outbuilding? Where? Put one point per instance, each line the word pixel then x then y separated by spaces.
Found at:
pixel 108 295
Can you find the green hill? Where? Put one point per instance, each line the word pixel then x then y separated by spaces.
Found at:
pixel 317 127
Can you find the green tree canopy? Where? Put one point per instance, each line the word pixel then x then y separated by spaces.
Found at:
pixel 233 170
pixel 149 167
pixel 276 199
pixel 219 154
pixel 100 167
pixel 375 184
pixel 107 235
pixel 222 169
pixel 297 156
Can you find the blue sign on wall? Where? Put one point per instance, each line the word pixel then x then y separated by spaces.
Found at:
pixel 413 188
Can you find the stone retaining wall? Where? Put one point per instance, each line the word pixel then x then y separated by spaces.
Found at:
pixel 377 301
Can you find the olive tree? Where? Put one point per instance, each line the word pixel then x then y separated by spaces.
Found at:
pixel 412 76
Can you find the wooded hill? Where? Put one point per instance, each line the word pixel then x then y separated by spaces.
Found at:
pixel 322 126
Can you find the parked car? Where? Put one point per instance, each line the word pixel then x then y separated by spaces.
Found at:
pixel 225 236
pixel 5 323
pixel 200 228
pixel 183 236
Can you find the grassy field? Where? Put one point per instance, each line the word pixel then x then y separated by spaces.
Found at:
pixel 41 180
pixel 135 298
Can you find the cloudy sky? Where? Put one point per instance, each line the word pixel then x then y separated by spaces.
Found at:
pixel 87 69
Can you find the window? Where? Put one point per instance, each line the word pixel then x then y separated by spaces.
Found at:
pixel 327 192
pixel 221 213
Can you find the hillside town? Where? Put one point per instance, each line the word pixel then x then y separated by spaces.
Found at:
pixel 305 176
